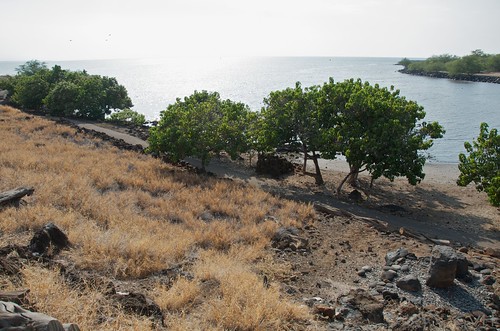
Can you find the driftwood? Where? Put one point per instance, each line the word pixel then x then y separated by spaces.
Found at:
pixel 14 196
pixel 14 317
pixel 377 224
pixel 18 297
pixel 423 238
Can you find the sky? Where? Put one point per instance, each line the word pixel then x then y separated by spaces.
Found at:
pixel 52 30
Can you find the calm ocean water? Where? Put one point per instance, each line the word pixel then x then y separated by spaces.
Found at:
pixel 154 83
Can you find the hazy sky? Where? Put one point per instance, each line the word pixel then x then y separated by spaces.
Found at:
pixel 106 29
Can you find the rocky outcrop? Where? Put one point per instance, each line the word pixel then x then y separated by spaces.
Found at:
pixel 463 77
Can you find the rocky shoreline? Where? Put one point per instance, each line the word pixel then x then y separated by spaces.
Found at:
pixel 462 77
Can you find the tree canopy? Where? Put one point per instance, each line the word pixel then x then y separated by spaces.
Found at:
pixel 128 116
pixel 482 164
pixel 201 125
pixel 291 117
pixel 65 93
pixel 377 130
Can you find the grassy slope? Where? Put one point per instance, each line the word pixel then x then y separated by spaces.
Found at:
pixel 129 216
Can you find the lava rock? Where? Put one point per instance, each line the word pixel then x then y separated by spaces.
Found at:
pixel 370 308
pixel 443 267
pixel 49 237
pixel 409 283
pixel 388 276
pixel 355 195
pixel 392 257
pixel 488 280
pixel 288 237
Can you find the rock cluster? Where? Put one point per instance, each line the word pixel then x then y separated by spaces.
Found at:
pixel 413 293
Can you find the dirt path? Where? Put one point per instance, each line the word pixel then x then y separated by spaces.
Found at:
pixel 112 133
pixel 436 208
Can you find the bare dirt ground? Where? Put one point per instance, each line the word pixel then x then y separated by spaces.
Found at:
pixel 436 207
pixel 339 247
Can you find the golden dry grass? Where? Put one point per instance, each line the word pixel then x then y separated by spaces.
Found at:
pixel 129 216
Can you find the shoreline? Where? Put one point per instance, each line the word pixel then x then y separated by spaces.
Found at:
pixel 443 173
pixel 475 78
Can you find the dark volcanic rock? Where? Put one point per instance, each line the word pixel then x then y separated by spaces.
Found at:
pixel 393 256
pixel 138 303
pixel 388 275
pixel 50 236
pixel 409 283
pixel 360 300
pixel 355 195
pixel 446 264
pixel 288 237
pixel 273 165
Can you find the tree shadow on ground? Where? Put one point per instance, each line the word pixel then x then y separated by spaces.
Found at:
pixel 426 209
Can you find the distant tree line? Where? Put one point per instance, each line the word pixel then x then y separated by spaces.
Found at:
pixel 476 62
pixel 64 93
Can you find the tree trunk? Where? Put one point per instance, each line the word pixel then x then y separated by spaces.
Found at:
pixel 304 150
pixel 203 163
pixel 353 176
pixel 339 188
pixel 318 177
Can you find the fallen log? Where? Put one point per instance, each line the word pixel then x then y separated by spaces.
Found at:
pixel 14 317
pixel 14 196
pixel 377 224
pixel 423 238
pixel 18 297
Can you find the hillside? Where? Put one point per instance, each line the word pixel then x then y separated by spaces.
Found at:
pixel 209 253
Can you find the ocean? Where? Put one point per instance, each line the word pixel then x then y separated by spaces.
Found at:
pixel 153 84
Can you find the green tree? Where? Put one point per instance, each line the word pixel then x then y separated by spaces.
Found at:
pixel 8 83
pixel 65 93
pixel 31 68
pixel 201 125
pixel 291 117
pixel 378 131
pixel 470 64
pixel 405 62
pixel 128 116
pixel 482 164
pixel 63 99
pixel 30 90
pixel 493 63
pixel 88 96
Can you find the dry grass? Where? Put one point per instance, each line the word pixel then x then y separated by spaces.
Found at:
pixel 129 216
pixel 89 309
